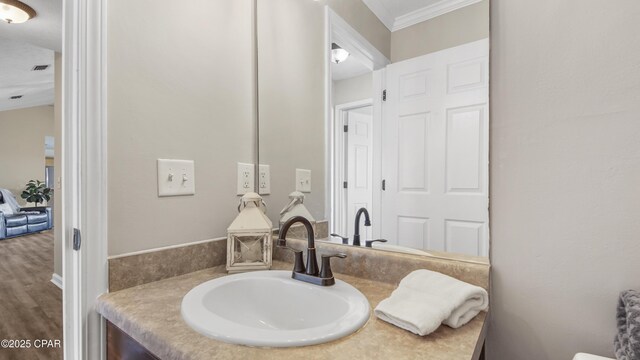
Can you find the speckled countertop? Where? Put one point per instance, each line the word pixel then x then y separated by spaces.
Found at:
pixel 150 314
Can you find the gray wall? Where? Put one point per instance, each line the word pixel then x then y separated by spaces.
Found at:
pixel 22 133
pixel 565 172
pixel 455 28
pixel 183 90
pixel 353 89
pixel 291 105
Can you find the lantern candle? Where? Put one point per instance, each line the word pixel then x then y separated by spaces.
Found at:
pixel 249 237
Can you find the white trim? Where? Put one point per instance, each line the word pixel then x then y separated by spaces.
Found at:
pixel 379 84
pixel 347 37
pixel 57 280
pixel 167 247
pixel 429 12
pixel 84 169
pixel 417 16
pixel 328 116
pixel 338 142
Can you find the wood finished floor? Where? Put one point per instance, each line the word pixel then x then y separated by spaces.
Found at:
pixel 30 305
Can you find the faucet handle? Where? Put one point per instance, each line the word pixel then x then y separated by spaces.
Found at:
pixel 369 243
pixel 345 240
pixel 298 261
pixel 325 270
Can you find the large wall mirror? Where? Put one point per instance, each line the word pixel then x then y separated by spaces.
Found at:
pixel 384 105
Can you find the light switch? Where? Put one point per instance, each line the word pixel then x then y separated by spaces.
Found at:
pixel 303 180
pixel 264 180
pixel 245 178
pixel 176 177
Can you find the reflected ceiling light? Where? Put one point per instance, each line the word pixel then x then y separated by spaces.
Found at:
pixel 338 54
pixel 15 12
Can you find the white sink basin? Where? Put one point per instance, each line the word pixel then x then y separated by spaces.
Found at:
pixel 269 309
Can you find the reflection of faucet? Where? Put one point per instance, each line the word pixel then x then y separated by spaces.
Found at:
pixel 369 243
pixel 345 240
pixel 310 272
pixel 367 222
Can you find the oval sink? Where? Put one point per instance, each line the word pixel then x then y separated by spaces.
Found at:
pixel 269 309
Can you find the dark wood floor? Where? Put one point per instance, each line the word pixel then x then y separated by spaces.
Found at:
pixel 30 305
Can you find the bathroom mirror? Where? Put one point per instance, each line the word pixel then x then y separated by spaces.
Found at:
pixel 383 105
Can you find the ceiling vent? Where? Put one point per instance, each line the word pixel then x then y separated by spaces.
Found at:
pixel 40 67
pixel 15 97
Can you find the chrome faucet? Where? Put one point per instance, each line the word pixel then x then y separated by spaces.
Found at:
pixel 367 222
pixel 308 273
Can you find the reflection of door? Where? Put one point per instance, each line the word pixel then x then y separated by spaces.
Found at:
pixel 359 166
pixel 48 176
pixel 435 151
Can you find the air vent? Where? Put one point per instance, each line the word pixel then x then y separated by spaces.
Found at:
pixel 15 97
pixel 40 67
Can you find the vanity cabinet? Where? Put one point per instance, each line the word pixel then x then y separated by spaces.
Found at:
pixel 121 346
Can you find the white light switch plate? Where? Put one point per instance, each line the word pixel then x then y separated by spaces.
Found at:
pixel 303 180
pixel 176 177
pixel 246 178
pixel 264 180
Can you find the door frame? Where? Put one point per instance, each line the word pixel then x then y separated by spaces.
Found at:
pixel 84 176
pixel 337 29
pixel 338 141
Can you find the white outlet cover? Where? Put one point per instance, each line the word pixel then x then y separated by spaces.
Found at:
pixel 176 177
pixel 303 180
pixel 264 179
pixel 246 178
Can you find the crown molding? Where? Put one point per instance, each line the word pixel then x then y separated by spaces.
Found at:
pixel 416 16
pixel 429 12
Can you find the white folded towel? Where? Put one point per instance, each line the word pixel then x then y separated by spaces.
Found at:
pixel 425 299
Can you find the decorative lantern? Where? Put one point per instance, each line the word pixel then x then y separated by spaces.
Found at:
pixel 249 237
pixel 296 208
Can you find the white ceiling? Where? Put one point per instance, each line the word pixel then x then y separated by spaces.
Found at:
pixel 17 60
pixel 349 68
pixel 22 47
pixel 44 30
pixel 397 15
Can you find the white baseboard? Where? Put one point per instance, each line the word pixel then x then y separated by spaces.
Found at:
pixel 56 280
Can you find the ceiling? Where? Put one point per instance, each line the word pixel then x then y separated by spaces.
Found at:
pixel 25 46
pixel 349 68
pixel 17 60
pixel 396 15
pixel 44 30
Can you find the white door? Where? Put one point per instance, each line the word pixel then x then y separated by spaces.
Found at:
pixel 359 168
pixel 435 151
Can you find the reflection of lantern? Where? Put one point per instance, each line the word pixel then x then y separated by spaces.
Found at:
pixel 296 208
pixel 249 237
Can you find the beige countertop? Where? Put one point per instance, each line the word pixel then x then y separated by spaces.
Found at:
pixel 150 313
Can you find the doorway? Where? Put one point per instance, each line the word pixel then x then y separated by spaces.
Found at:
pixel 354 141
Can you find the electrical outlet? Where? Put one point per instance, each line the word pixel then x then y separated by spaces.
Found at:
pixel 303 180
pixel 176 177
pixel 245 178
pixel 264 179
